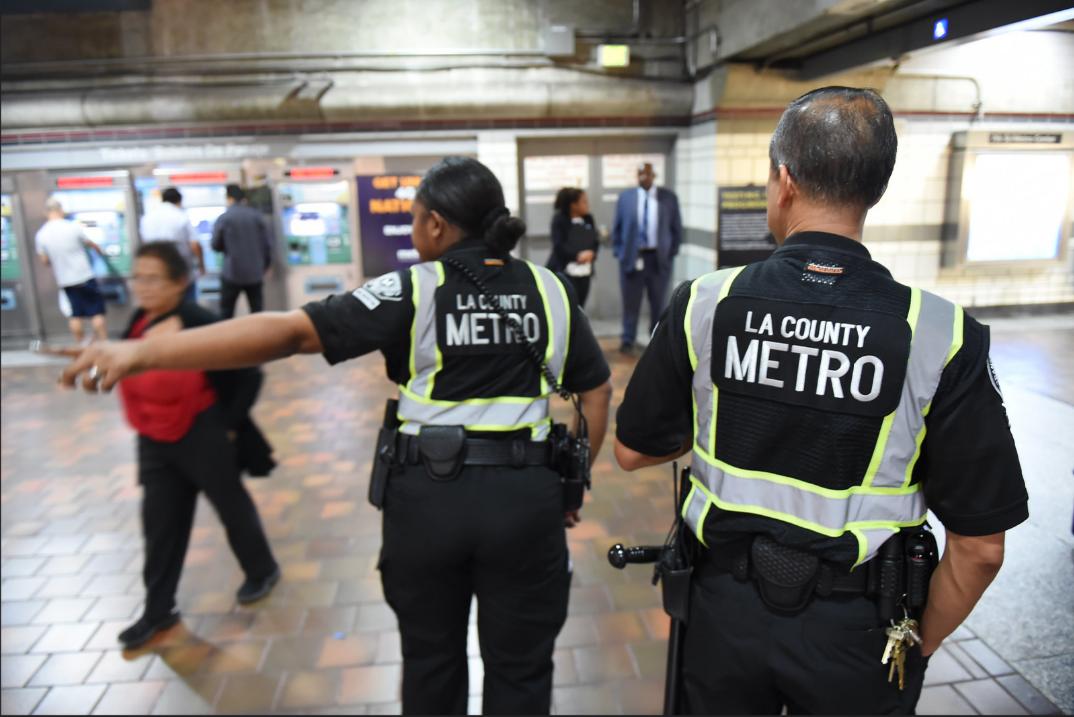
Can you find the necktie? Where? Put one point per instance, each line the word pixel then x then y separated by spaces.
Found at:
pixel 644 233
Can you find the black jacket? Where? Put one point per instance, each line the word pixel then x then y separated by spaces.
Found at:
pixel 236 393
pixel 564 250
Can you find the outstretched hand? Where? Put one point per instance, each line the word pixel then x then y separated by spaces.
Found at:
pixel 100 366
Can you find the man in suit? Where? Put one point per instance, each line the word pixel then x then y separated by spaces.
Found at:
pixel 645 239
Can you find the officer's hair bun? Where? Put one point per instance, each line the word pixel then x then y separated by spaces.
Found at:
pixel 505 232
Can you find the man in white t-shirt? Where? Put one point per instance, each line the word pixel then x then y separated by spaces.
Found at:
pixel 61 245
pixel 169 222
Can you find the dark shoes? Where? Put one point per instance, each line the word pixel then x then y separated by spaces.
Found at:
pixel 142 631
pixel 626 349
pixel 253 590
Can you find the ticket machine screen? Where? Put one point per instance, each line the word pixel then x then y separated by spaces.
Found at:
pixel 203 219
pixel 9 248
pixel 315 223
pixel 202 204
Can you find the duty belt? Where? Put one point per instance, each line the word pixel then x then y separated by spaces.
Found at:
pixel 786 577
pixel 512 452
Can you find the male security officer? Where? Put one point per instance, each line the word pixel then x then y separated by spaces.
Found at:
pixel 826 406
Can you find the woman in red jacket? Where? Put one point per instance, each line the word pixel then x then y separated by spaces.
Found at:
pixel 191 427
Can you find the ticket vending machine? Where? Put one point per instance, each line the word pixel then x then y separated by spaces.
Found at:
pixel 204 199
pixel 102 204
pixel 316 224
pixel 17 317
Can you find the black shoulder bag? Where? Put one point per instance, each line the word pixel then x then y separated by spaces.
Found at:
pixel 569 454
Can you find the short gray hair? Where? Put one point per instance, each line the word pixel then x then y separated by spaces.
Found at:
pixel 839 145
pixel 53 205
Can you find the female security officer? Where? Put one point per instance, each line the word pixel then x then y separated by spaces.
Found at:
pixel 482 517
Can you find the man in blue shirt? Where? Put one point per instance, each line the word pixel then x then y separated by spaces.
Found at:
pixel 645 239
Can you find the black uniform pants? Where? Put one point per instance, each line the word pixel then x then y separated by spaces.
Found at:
pixel 171 475
pixel 229 295
pixel 741 658
pixel 493 532
pixel 581 287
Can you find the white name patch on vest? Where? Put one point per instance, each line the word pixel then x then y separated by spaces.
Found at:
pixel 470 321
pixel 824 357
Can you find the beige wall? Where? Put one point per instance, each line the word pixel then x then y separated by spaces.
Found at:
pixel 1016 73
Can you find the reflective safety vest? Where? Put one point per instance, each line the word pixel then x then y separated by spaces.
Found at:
pixel 874 509
pixel 418 408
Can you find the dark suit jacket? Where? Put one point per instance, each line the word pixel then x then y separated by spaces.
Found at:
pixel 625 228
pixel 236 393
pixel 560 232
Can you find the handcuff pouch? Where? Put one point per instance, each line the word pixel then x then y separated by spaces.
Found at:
pixel 785 577
pixel 442 450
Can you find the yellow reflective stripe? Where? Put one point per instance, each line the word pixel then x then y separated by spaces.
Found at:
pixel 801 523
pixel 912 315
pixel 878 449
pixel 766 512
pixel 689 328
pixel 550 339
pixel 956 346
pixel 724 290
pixel 514 400
pixel 701 523
pixel 567 314
pixel 918 440
pixel 956 335
pixel 863 545
pixel 914 312
pixel 436 346
pixel 686 503
pixel 800 484
pixel 414 297
pixel 515 427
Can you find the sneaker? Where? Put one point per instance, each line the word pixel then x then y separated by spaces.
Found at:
pixel 626 349
pixel 143 631
pixel 253 590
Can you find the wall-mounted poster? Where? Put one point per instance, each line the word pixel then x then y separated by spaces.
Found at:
pixel 619 171
pixel 553 172
pixel 384 220
pixel 742 234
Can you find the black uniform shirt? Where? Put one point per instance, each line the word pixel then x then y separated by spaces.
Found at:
pixel 378 316
pixel 968 466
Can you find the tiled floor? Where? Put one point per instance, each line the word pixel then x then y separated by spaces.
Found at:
pixel 325 640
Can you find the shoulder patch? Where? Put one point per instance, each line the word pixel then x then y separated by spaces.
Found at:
pixel 994 378
pixel 386 288
pixel 366 297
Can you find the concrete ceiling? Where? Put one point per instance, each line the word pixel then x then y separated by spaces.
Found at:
pixel 852 33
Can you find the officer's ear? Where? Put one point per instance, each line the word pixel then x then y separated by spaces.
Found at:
pixel 786 187
pixel 437 225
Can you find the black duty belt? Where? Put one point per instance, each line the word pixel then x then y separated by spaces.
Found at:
pixel 777 566
pixel 512 452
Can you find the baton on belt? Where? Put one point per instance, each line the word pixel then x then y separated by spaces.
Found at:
pixel 672 570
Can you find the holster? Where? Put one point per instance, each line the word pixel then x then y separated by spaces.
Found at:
pixel 570 458
pixel 384 458
pixel 676 571
pixel 922 556
pixel 442 450
pixel 676 566
pixel 785 577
